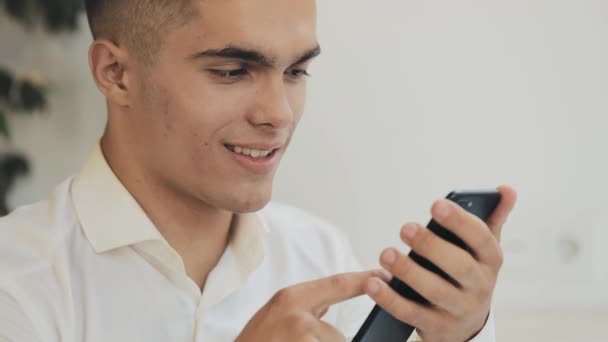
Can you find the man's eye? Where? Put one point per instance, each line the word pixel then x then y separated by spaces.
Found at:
pixel 297 73
pixel 230 74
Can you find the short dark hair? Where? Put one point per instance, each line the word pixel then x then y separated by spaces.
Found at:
pixel 139 24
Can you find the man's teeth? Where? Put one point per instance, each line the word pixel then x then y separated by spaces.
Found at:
pixel 251 152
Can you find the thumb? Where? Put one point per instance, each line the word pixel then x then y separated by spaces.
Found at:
pixel 500 215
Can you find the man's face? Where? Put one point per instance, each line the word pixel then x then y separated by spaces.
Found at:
pixel 232 80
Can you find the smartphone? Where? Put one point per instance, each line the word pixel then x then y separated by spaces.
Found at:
pixel 380 326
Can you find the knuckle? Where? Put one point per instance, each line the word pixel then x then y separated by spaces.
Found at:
pixel 500 257
pixel 405 269
pixel 285 297
pixel 424 240
pixel 338 281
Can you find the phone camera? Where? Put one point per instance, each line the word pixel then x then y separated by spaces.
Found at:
pixel 465 203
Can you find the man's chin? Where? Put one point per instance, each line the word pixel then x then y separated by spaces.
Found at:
pixel 249 202
pixel 249 206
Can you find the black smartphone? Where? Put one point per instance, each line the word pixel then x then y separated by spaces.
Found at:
pixel 380 326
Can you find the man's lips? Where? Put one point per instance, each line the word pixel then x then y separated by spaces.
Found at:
pixel 256 158
pixel 252 152
pixel 256 146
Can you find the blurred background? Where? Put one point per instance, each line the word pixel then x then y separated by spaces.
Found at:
pixel 410 100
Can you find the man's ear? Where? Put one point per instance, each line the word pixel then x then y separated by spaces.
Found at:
pixel 109 66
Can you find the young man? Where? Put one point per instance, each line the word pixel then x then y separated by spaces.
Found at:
pixel 162 235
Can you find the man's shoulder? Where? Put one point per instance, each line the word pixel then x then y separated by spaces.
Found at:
pixel 31 234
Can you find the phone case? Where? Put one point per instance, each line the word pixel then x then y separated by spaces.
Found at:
pixel 380 326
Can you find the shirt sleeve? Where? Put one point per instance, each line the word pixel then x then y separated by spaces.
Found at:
pixel 15 326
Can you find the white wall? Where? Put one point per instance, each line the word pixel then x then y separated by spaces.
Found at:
pixel 410 100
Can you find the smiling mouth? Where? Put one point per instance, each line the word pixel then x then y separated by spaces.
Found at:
pixel 252 153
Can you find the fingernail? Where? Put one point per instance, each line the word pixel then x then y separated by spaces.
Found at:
pixel 389 256
pixel 410 230
pixel 373 286
pixel 386 275
pixel 383 274
pixel 442 210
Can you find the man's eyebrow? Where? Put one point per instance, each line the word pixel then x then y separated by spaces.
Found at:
pixel 234 52
pixel 308 55
pixel 252 56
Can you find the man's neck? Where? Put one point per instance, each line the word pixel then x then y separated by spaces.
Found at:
pixel 198 232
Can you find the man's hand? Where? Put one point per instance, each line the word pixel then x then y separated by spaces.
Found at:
pixel 294 313
pixel 458 311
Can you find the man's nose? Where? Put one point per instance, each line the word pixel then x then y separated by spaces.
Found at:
pixel 272 106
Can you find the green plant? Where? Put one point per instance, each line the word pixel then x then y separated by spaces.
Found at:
pixel 25 95
pixel 28 94
pixel 56 15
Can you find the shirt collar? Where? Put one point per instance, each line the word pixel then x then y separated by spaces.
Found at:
pixel 111 218
pixel 247 241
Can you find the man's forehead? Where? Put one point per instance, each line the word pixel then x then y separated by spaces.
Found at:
pixel 279 33
pixel 264 17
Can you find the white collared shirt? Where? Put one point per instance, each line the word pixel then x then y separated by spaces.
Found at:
pixel 88 265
